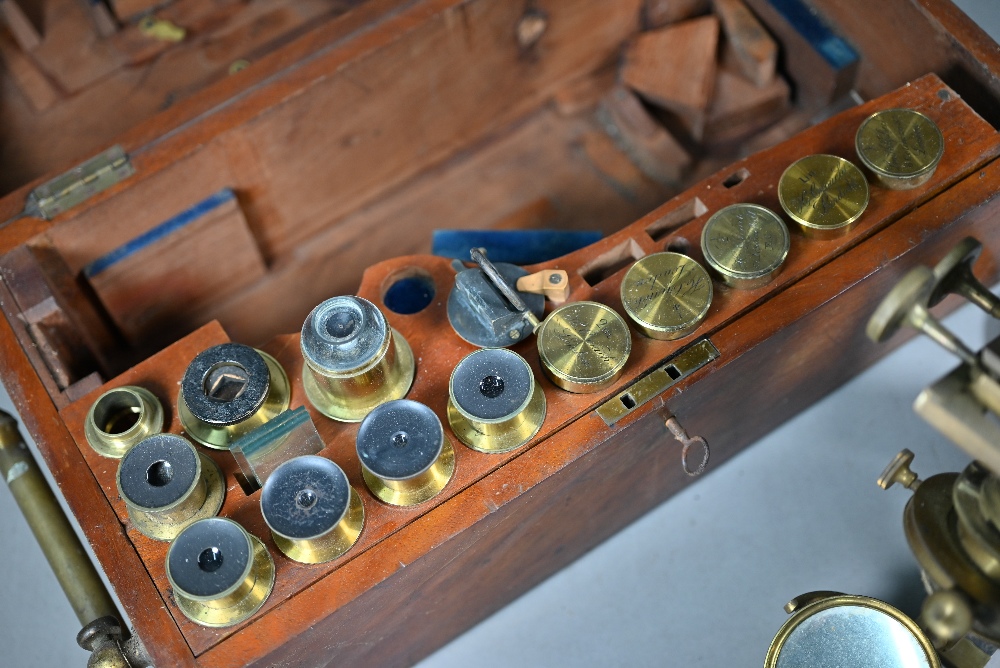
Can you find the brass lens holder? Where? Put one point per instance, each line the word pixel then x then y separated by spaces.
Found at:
pixel 901 147
pixel 405 457
pixel 353 360
pixel 824 194
pixel 313 512
pixel 745 244
pixel 219 573
pixel 583 346
pixel 120 418
pixel 228 391
pixel 494 403
pixel 167 485
pixel 667 295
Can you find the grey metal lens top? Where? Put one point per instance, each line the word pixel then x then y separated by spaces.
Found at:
pixel 209 558
pixel 343 334
pixel 305 497
pixel 225 384
pixel 491 384
pixel 400 439
pixel 158 471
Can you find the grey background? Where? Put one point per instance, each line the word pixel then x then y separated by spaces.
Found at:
pixel 700 580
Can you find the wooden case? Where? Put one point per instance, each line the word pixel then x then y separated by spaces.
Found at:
pixel 273 189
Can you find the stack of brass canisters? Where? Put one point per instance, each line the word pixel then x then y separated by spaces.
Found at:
pixel 494 403
pixel 120 418
pixel 583 346
pixel 219 573
pixel 167 485
pixel 353 360
pixel 824 194
pixel 901 147
pixel 745 244
pixel 313 512
pixel 405 457
pixel 228 391
pixel 667 295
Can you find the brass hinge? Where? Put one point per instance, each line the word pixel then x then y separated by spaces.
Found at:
pixel 79 184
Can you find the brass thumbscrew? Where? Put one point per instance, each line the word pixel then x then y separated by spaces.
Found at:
pixel 953 274
pixel 899 471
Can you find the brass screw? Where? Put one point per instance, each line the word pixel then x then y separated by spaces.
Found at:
pixel 953 274
pixel 899 471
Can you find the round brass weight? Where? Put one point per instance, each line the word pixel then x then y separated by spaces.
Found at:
pixel 167 485
pixel 120 418
pixel 667 295
pixel 745 244
pixel 494 403
pixel 584 346
pixel 824 194
pixel 228 391
pixel 353 360
pixel 219 573
pixel 901 147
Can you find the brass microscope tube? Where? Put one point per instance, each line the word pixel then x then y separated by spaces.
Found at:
pixel 120 418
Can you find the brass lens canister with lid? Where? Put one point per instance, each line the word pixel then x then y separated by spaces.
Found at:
pixel 405 457
pixel 219 573
pixel 353 360
pixel 667 295
pixel 745 244
pixel 167 485
pixel 901 147
pixel 494 403
pixel 824 194
pixel 120 418
pixel 313 512
pixel 229 390
pixel 584 346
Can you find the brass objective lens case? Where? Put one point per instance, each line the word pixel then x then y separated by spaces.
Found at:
pixel 229 390
pixel 583 346
pixel 167 485
pixel 901 147
pixel 494 403
pixel 667 295
pixel 746 244
pixel 824 194
pixel 313 512
pixel 353 360
pixel 120 418
pixel 405 457
pixel 219 573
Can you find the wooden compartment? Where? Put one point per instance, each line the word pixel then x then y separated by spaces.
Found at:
pixel 271 190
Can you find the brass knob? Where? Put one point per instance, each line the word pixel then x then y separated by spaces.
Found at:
pixel 745 244
pixel 583 346
pixel 901 147
pixel 166 485
pixel 946 617
pixel 219 573
pixel 353 360
pixel 953 274
pixel 229 390
pixel 898 471
pixel 120 418
pixel 824 194
pixel 313 512
pixel 667 295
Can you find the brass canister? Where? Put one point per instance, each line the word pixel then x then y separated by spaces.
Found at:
pixel 583 346
pixel 667 295
pixel 746 244
pixel 824 194
pixel 901 147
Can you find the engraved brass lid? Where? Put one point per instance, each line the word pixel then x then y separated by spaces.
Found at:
pixel 824 194
pixel 583 346
pixel 901 147
pixel 667 295
pixel 746 244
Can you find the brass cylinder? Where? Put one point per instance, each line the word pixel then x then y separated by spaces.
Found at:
pixel 228 391
pixel 166 485
pixel 667 295
pixel 583 346
pixel 745 244
pixel 220 574
pixel 353 360
pixel 120 418
pixel 901 147
pixel 824 194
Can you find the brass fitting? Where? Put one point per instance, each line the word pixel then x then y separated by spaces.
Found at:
pixel 219 573
pixel 353 360
pixel 120 418
pixel 313 512
pixel 167 485
pixel 228 391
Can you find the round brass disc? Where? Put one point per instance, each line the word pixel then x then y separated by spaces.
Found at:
pixel 499 437
pixel 667 295
pixel 132 407
pixel 584 346
pixel 262 570
pixel 422 488
pixel 901 147
pixel 163 526
pixel 746 244
pixel 334 544
pixel 824 194
pixel 913 290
